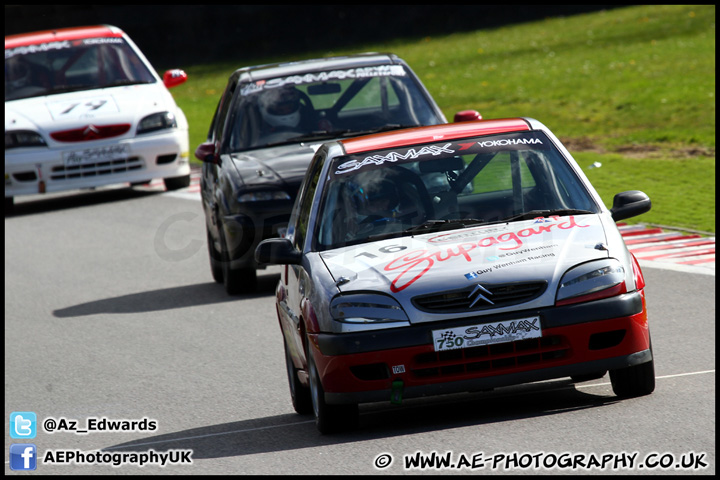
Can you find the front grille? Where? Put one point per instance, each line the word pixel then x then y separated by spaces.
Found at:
pixel 473 298
pixel 91 132
pixel 96 169
pixel 491 358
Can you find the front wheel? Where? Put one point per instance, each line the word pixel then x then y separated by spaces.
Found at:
pixel 215 260
pixel 176 183
pixel 634 381
pixel 236 280
pixel 299 393
pixel 328 418
pixel 588 376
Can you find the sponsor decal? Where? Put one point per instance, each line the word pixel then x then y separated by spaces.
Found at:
pixel 42 47
pixel 486 334
pixel 508 142
pixel 351 73
pixel 411 266
pixel 411 154
pixel 102 41
pixel 61 45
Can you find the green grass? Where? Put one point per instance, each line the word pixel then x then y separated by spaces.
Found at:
pixel 632 88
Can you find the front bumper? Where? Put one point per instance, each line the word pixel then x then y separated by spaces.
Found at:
pixel 577 339
pixel 31 171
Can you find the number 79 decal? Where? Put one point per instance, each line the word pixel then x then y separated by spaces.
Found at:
pixel 84 108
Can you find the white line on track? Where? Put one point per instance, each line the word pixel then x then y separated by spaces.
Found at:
pixel 282 425
pixel 292 424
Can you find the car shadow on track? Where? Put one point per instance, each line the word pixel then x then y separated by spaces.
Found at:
pixel 37 204
pixel 167 299
pixel 291 431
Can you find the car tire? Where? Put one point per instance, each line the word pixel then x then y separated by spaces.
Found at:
pixel 634 381
pixel 215 261
pixel 176 183
pixel 299 393
pixel 588 376
pixel 236 280
pixel 328 418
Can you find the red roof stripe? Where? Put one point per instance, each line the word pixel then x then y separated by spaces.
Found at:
pixel 435 133
pixel 61 34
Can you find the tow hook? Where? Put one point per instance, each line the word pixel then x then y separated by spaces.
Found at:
pixel 41 183
pixel 396 392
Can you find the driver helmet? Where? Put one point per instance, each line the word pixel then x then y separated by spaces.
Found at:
pixel 380 199
pixel 18 73
pixel 281 107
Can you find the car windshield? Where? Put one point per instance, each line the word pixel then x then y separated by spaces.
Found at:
pixel 66 66
pixel 321 105
pixel 447 185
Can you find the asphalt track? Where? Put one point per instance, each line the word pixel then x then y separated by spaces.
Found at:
pixel 107 317
pixel 659 247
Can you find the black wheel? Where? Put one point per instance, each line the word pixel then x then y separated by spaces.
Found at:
pixel 634 381
pixel 236 280
pixel 215 260
pixel 588 376
pixel 328 418
pixel 176 183
pixel 299 393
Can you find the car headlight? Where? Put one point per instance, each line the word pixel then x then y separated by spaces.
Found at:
pixel 263 196
pixel 155 122
pixel 592 281
pixel 381 311
pixel 23 138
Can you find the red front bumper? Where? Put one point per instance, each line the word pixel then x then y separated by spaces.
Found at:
pixel 567 350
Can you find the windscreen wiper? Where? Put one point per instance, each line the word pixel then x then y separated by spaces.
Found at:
pixel 327 134
pixel 384 128
pixel 547 213
pixel 69 88
pixel 319 135
pixel 436 225
pixel 123 83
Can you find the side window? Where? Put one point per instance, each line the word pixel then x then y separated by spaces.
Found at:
pixel 221 114
pixel 305 200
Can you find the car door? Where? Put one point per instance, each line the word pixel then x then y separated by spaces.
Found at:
pixel 295 278
pixel 213 171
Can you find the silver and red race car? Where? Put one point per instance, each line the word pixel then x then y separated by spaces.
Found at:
pixel 454 258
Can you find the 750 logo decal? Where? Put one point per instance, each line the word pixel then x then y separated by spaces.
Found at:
pixel 486 334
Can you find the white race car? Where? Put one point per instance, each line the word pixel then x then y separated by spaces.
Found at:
pixel 84 108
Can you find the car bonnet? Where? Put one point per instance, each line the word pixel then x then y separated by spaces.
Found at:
pixel 268 166
pixel 127 104
pixel 534 250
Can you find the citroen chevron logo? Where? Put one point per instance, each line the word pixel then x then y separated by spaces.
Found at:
pixel 479 288
pixel 91 132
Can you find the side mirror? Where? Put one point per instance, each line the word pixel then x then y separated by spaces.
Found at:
pixel 175 77
pixel 629 204
pixel 206 152
pixel 277 251
pixel 467 116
